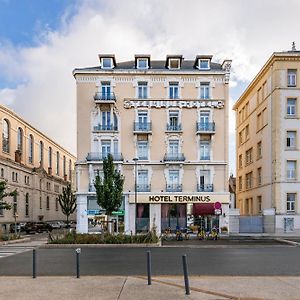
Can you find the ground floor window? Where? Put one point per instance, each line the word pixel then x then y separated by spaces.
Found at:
pixel 142 217
pixel 173 215
pixel 290 202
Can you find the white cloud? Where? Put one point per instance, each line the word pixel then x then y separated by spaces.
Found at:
pixel 247 32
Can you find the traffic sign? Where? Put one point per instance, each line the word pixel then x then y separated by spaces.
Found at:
pixel 217 205
pixel 218 211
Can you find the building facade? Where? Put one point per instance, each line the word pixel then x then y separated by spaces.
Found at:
pixel 34 165
pixel 166 125
pixel 267 126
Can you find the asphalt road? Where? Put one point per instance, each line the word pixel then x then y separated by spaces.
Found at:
pixel 252 261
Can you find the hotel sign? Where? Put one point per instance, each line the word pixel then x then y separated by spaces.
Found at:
pixel 173 103
pixel 180 199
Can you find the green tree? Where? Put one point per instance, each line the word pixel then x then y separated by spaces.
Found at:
pixel 4 194
pixel 109 190
pixel 67 201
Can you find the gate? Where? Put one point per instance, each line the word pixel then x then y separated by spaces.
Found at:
pixel 251 224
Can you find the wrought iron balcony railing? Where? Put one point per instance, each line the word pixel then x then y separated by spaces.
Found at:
pixel 174 127
pixel 205 127
pixel 104 96
pixel 174 187
pixel 174 157
pixel 107 127
pixel 98 156
pixel 142 126
pixel 205 157
pixel 205 187
pixel 144 187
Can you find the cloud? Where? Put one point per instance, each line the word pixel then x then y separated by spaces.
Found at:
pixel 247 32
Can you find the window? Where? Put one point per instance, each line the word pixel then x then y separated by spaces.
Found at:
pixel 41 153
pixel 105 148
pixel 142 181
pixel 26 180
pixel 106 63
pixel 48 186
pixel 259 204
pixel 56 188
pixel 291 107
pixel 291 139
pixel 5 136
pixel 205 181
pixel 259 96
pixel 292 77
pixel 290 202
pixel 142 63
pixel 240 137
pixel 204 64
pixel 248 156
pixel 143 90
pixel 173 177
pixel 173 120
pixel 142 151
pixel 173 148
pixel 259 178
pixel 247 132
pixel 249 180
pixel 291 169
pixel 30 149
pixel 264 90
pixel 56 204
pixel 15 205
pixel 106 120
pixel 70 169
pixel 259 121
pixel 2 172
pixel 173 90
pixel 47 203
pixel 259 150
pixel 40 202
pixel 105 90
pixel 204 150
pixel 27 205
pixel 64 166
pixel 174 63
pixel 204 90
pixel 240 161
pixel 50 157
pixel 57 163
pixel 20 140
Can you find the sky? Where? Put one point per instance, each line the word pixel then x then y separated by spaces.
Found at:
pixel 42 41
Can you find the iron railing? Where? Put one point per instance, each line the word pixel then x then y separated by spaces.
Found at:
pixel 98 156
pixel 144 187
pixel 205 126
pixel 174 187
pixel 174 157
pixel 174 127
pixel 104 96
pixel 142 126
pixel 205 187
pixel 107 127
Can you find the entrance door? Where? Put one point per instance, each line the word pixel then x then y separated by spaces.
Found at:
pixel 105 148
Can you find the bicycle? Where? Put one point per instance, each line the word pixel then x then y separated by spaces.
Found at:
pixel 167 234
pixel 179 236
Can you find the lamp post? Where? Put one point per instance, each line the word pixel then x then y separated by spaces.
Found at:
pixel 135 189
pixel 15 216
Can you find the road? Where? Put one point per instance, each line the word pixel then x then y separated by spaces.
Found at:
pixel 237 261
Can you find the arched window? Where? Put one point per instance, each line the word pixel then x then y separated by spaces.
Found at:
pixel 30 148
pixel 5 136
pixel 20 140
pixel 48 203
pixel 57 163
pixel 41 153
pixel 27 205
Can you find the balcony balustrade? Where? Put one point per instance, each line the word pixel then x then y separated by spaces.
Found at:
pixel 104 97
pixel 205 157
pixel 174 157
pixel 98 156
pixel 174 187
pixel 144 187
pixel 205 127
pixel 142 127
pixel 107 127
pixel 205 187
pixel 174 127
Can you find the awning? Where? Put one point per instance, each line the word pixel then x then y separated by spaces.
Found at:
pixel 201 209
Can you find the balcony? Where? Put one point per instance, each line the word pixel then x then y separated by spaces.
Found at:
pixel 144 187
pixel 106 127
pixel 145 127
pixel 203 157
pixel 104 98
pixel 98 156
pixel 205 187
pixel 174 157
pixel 207 127
pixel 174 128
pixel 174 187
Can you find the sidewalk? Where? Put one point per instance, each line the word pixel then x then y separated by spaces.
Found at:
pixel 113 288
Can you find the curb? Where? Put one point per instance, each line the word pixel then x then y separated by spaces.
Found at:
pixel 287 242
pixel 59 246
pixel 15 241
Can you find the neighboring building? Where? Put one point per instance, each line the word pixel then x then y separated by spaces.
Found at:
pixel 34 165
pixel 267 126
pixel 232 191
pixel 173 116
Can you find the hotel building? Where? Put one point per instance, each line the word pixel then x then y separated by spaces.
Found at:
pixel 172 115
pixel 268 143
pixel 34 165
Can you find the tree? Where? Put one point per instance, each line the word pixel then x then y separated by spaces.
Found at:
pixel 4 194
pixel 109 190
pixel 67 202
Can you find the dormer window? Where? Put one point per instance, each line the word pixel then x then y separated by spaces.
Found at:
pixel 142 63
pixel 106 63
pixel 174 63
pixel 204 64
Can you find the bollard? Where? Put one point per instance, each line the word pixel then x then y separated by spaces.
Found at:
pixel 149 266
pixel 78 251
pixel 185 273
pixel 33 263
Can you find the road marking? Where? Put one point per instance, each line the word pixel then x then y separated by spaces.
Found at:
pixel 9 250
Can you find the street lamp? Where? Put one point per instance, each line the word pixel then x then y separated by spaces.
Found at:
pixel 135 188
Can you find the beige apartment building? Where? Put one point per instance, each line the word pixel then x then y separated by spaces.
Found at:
pixel 268 143
pixel 166 124
pixel 34 165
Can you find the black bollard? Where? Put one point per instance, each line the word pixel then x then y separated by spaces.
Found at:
pixel 149 266
pixel 185 273
pixel 33 263
pixel 78 251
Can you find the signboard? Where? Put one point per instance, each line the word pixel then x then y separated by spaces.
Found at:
pixel 218 211
pixel 179 198
pixel 118 213
pixel 93 212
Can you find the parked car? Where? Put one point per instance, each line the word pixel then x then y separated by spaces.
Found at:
pixel 54 225
pixel 62 224
pixel 37 227
pixel 12 228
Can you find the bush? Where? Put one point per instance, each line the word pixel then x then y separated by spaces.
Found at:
pixel 9 237
pixel 224 229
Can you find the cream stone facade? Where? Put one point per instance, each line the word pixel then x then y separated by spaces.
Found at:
pixel 34 165
pixel 172 116
pixel 268 141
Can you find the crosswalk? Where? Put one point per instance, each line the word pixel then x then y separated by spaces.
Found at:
pixel 8 250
